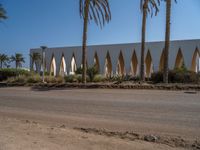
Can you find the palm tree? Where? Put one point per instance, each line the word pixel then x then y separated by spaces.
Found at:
pixel 3 60
pixel 167 40
pixel 97 10
pixel 2 13
pixel 18 59
pixel 35 57
pixel 147 6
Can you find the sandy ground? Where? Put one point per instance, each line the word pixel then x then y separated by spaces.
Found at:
pixel 28 135
pixel 161 113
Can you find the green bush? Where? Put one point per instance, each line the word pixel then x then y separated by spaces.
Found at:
pixel 18 79
pixel 52 79
pixel 135 78
pixel 79 70
pixel 99 78
pixel 79 78
pixel 116 78
pixel 71 78
pixel 75 78
pixel 177 76
pixel 91 72
pixel 157 77
pixel 119 78
pixel 34 79
pixel 60 79
pixel 6 73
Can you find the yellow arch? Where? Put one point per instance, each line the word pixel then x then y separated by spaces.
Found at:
pixel 73 65
pixel 96 62
pixel 62 67
pixel 53 66
pixel 195 58
pixel 120 65
pixel 108 66
pixel 179 60
pixel 134 63
pixel 161 64
pixel 148 63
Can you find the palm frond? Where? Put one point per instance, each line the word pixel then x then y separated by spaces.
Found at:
pixel 2 13
pixel 151 6
pixel 99 11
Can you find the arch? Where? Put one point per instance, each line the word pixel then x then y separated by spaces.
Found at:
pixel 161 64
pixel 62 71
pixel 73 65
pixel 108 65
pixel 34 67
pixel 179 60
pixel 53 66
pixel 134 64
pixel 195 61
pixel 96 62
pixel 120 65
pixel 148 64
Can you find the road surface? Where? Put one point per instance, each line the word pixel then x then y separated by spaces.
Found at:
pixel 171 113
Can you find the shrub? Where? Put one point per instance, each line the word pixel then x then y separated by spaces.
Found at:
pixel 135 78
pixel 75 78
pixel 60 79
pixel 126 78
pixel 116 78
pixel 79 78
pixel 91 72
pixel 10 80
pixel 6 73
pixel 177 76
pixel 99 78
pixel 18 79
pixel 52 79
pixel 70 78
pixel 34 79
pixel 121 78
pixel 157 77
pixel 79 70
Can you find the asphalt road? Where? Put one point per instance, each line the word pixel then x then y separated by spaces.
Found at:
pixel 171 113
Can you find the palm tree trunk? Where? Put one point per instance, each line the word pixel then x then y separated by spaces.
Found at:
pixel 1 64
pixel 143 40
pixel 16 64
pixel 84 50
pixel 167 41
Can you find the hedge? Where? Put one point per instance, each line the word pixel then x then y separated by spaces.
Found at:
pixel 177 76
pixel 6 73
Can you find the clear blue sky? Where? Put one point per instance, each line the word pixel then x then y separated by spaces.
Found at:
pixel 56 23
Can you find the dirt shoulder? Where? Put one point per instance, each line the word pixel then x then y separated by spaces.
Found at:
pixel 29 135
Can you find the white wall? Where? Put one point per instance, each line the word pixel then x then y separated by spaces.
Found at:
pixel 187 47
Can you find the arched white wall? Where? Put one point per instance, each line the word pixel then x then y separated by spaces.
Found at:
pixel 187 47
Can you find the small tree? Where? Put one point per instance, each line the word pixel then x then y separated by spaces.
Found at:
pixel 18 59
pixel 35 57
pixel 2 13
pixel 4 59
pixel 146 6
pixel 97 10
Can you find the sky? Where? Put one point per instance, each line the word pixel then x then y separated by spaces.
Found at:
pixel 57 23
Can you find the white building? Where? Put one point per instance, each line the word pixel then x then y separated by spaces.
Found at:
pixel 120 59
